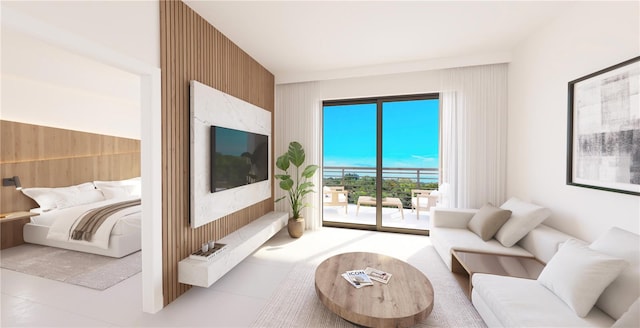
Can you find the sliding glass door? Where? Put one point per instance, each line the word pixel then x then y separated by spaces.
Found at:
pixel 410 161
pixel 349 161
pixel 380 162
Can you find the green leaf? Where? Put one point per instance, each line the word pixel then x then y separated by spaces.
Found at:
pixel 282 176
pixel 304 192
pixel 296 153
pixel 283 162
pixel 286 184
pixel 309 171
pixel 279 199
pixel 305 185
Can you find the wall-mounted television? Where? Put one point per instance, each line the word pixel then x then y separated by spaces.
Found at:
pixel 238 158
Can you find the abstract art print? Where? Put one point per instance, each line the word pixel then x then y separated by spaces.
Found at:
pixel 604 129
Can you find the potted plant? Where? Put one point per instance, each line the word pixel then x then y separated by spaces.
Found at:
pixel 296 184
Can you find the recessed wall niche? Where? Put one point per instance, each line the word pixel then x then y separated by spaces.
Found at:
pixel 211 107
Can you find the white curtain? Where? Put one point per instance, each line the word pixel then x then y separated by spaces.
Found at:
pixel 474 132
pixel 297 118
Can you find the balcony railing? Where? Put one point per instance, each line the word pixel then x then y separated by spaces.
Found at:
pixel 396 182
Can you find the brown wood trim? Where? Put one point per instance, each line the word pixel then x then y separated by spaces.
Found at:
pixel 192 49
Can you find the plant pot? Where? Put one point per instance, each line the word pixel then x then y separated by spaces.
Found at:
pixel 295 227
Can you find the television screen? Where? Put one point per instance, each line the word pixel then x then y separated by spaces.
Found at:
pixel 238 158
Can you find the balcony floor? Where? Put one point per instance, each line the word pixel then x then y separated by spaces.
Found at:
pixel 390 216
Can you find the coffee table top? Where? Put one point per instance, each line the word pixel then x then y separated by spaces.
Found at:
pixel 406 300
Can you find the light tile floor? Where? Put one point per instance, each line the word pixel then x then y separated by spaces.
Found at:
pixel 233 301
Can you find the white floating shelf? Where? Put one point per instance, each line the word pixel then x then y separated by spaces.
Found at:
pixel 240 244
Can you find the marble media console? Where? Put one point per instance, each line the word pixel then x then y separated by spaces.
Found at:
pixel 240 244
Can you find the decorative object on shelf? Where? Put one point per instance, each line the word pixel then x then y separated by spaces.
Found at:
pixel 209 253
pixel 296 189
pixel 604 129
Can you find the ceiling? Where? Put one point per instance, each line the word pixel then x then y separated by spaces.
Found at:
pixel 316 40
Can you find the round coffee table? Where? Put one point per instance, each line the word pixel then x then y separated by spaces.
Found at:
pixel 406 300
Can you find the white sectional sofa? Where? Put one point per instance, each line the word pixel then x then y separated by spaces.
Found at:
pixel 570 282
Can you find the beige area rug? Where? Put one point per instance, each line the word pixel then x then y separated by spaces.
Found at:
pixel 82 269
pixel 295 303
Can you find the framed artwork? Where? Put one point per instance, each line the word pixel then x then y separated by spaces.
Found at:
pixel 603 146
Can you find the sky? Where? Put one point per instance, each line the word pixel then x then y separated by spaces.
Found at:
pixel 410 134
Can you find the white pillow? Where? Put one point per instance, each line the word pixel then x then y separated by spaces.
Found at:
pixel 75 198
pixel 623 291
pixel 578 275
pixel 132 187
pixel 524 218
pixel 47 198
pixel 114 192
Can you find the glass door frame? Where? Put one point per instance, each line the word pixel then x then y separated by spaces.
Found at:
pixel 379 123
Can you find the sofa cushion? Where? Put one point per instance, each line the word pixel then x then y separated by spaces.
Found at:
pixel 543 242
pixel 631 318
pixel 524 218
pixel 623 291
pixel 578 275
pixel 446 239
pixel 518 302
pixel 488 220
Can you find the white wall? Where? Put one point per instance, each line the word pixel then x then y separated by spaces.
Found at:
pixel 381 85
pixel 131 28
pixel 587 38
pixel 44 84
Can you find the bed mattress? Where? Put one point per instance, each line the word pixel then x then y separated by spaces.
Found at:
pixel 124 238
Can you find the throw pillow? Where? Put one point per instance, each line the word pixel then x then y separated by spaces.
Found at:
pixel 578 275
pixel 488 220
pixel 524 218
pixel 623 291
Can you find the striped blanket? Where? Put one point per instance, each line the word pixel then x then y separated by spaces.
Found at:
pixel 92 220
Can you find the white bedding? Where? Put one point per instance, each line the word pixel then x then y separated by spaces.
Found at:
pixel 62 221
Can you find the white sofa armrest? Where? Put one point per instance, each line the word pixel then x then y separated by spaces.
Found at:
pixel 451 217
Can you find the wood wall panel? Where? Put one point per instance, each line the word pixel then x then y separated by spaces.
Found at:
pixel 51 157
pixel 192 49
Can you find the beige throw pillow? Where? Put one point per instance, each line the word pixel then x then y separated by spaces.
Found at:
pixel 488 220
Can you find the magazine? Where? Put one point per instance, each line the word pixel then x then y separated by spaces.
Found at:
pixel 357 278
pixel 378 275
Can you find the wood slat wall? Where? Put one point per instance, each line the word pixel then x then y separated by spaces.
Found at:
pixel 192 49
pixel 50 157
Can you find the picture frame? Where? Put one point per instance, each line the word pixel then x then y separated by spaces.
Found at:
pixel 603 139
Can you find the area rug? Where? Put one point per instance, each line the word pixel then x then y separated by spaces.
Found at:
pixel 82 269
pixel 295 303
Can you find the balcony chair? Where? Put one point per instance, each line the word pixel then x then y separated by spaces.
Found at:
pixel 335 196
pixel 422 200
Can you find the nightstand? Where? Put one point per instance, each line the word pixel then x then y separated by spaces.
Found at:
pixel 11 228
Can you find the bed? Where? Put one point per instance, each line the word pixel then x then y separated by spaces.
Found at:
pixel 62 211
